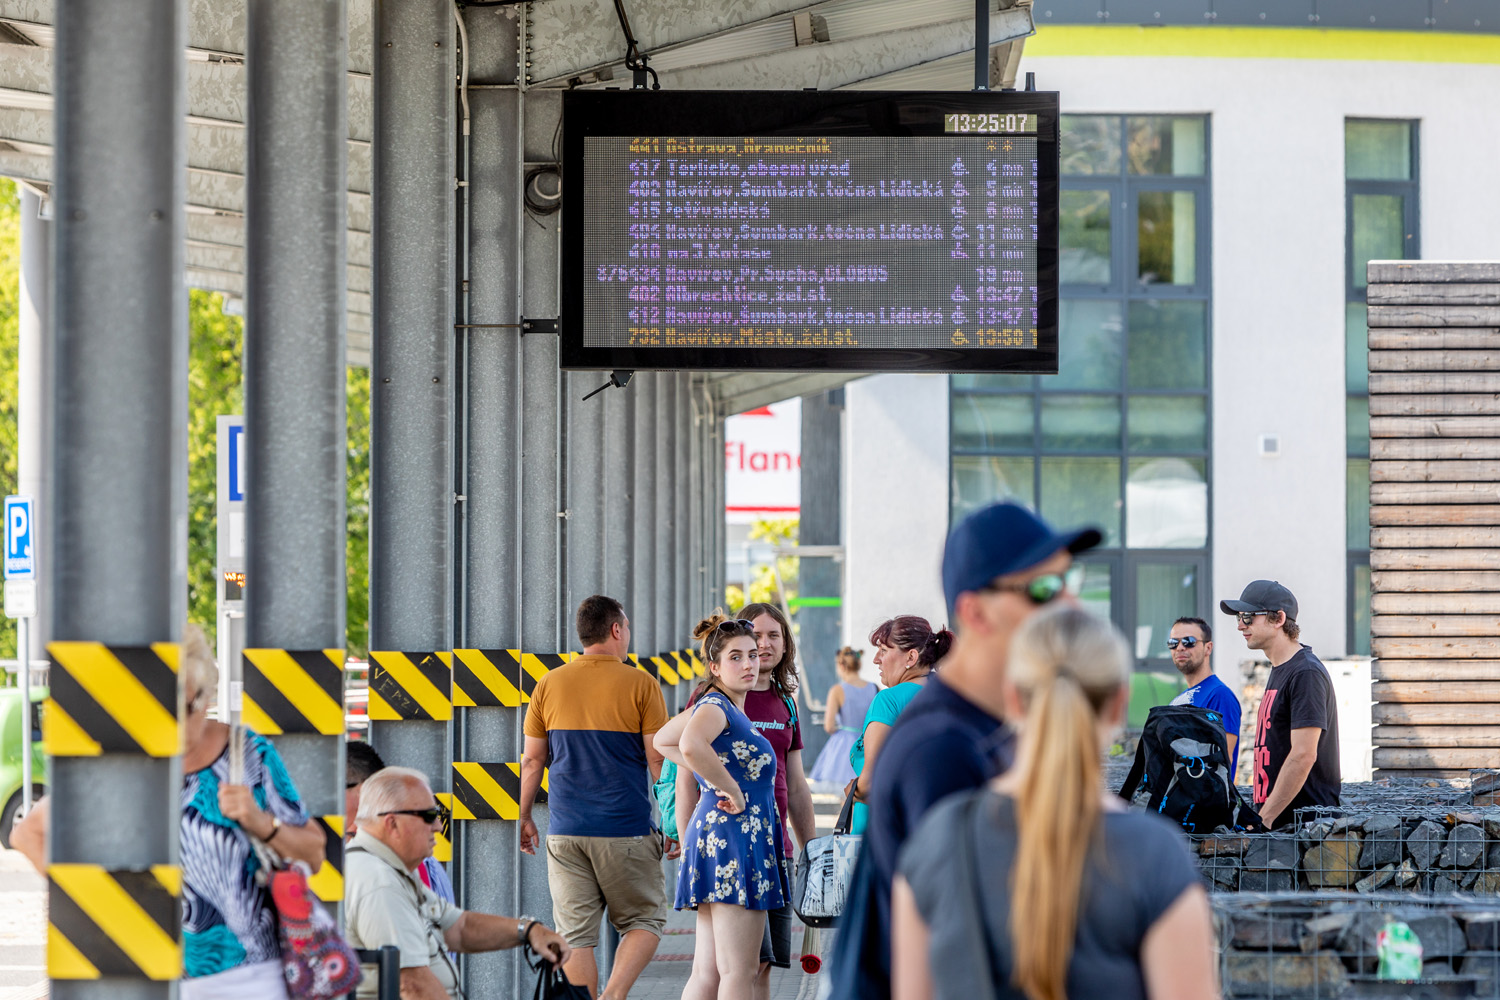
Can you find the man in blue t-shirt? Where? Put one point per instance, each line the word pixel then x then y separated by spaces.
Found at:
pixel 1001 565
pixel 1192 646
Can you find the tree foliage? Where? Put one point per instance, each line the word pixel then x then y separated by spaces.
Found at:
pixel 762 588
pixel 10 307
pixel 215 343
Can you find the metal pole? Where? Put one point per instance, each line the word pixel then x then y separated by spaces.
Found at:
pixel 32 417
pixel 118 398
pixel 296 137
pixel 411 494
pixel 981 44
pixel 23 643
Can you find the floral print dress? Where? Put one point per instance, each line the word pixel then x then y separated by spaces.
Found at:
pixel 735 859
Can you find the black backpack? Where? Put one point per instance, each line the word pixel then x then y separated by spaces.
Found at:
pixel 1182 771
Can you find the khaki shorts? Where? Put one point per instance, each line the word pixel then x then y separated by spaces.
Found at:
pixel 587 874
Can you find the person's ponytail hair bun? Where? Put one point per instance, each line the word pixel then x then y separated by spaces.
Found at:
pixel 938 645
pixel 706 626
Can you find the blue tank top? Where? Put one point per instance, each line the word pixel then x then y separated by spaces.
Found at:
pixel 856 703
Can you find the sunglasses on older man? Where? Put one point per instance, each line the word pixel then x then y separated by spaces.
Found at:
pixel 1186 642
pixel 425 815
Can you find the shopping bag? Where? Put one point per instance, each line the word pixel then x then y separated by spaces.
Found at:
pixel 825 865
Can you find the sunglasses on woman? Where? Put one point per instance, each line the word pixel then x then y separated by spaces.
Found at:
pixel 1186 642
pixel 731 624
pixel 1044 588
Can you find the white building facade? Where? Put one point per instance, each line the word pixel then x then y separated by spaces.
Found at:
pixel 1222 189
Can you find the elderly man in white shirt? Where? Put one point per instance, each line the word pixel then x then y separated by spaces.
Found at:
pixel 385 901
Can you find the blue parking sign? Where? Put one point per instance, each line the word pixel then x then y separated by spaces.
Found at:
pixel 20 533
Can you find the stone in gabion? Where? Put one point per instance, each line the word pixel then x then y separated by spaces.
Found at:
pixel 1492 861
pixel 1484 786
pixel 1272 851
pixel 1406 874
pixel 1376 879
pixel 1425 843
pixel 1223 871
pixel 1486 968
pixel 1439 933
pixel 1268 880
pixel 1482 931
pixel 1442 885
pixel 1382 842
pixel 1263 932
pixel 1464 848
pixel 1278 974
pixel 1469 878
pixel 1334 862
pixel 1324 931
pixel 1488 882
pixel 1221 845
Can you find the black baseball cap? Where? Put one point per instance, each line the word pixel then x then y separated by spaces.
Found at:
pixel 999 539
pixel 1262 595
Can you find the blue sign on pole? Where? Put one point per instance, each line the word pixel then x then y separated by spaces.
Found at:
pixel 20 531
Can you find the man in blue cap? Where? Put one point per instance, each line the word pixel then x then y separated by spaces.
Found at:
pixel 1001 564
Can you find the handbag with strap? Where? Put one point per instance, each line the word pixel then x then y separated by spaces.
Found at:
pixel 315 959
pixel 551 984
pixel 825 868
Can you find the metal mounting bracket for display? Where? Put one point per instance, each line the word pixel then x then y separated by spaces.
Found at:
pixel 538 326
pixel 617 380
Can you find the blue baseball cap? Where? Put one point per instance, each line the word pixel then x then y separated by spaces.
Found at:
pixel 999 539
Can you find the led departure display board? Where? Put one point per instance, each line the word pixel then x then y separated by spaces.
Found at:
pixel 848 231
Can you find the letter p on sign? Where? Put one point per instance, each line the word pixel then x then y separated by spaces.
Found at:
pixel 20 562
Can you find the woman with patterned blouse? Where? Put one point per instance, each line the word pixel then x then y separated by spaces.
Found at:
pixel 730 870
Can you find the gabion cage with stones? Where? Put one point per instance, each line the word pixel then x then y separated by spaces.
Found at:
pixel 1316 945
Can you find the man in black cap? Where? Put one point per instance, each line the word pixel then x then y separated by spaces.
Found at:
pixel 1001 564
pixel 1297 728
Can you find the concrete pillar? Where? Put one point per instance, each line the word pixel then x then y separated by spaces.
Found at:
pixel 411 494
pixel 33 415
pixel 118 398
pixel 296 137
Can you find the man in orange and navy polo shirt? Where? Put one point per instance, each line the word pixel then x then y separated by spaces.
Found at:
pixel 590 723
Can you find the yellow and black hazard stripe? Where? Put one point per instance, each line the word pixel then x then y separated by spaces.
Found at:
pixel 294 691
pixel 681 664
pixel 664 670
pixel 327 883
pixel 489 791
pixel 411 686
pixel 696 661
pixel 125 923
pixel 499 677
pixel 442 847
pixel 112 699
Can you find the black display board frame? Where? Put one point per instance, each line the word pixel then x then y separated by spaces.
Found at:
pixel 797 113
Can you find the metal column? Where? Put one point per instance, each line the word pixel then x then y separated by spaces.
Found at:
pixel 819 628
pixel 509 516
pixel 296 140
pixel 32 411
pixel 413 293
pixel 118 397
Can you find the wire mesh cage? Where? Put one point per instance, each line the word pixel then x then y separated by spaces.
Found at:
pixel 1317 945
pixel 1419 848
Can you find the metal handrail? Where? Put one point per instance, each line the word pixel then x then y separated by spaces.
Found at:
pixel 387 962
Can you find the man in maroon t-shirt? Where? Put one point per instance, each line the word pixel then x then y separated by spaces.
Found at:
pixel 770 706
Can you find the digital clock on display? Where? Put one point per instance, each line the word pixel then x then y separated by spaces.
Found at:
pixel 990 124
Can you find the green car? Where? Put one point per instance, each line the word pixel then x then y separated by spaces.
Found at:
pixel 10 756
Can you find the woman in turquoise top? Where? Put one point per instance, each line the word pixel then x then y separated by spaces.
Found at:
pixel 907 650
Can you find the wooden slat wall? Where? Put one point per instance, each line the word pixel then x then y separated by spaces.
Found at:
pixel 1435 515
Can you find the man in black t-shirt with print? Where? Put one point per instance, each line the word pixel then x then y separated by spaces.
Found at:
pixel 1297 727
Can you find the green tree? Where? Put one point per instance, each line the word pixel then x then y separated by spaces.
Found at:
pixel 215 343
pixel 10 304
pixel 357 518
pixel 762 588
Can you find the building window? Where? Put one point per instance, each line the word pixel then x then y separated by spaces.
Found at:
pixel 1380 220
pixel 1119 438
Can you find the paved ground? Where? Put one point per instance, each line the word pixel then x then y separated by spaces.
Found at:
pixel 23 930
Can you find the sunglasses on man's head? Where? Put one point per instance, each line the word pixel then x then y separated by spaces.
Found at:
pixel 425 815
pixel 1186 642
pixel 1044 588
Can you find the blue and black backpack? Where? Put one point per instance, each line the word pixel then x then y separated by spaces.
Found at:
pixel 1182 771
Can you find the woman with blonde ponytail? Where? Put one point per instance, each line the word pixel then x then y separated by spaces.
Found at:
pixel 1075 897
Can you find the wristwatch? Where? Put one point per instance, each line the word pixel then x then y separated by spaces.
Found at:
pixel 523 930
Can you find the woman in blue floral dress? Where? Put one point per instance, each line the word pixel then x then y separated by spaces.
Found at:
pixel 731 848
